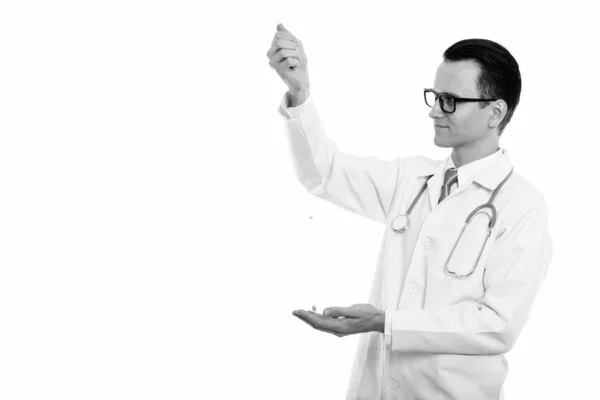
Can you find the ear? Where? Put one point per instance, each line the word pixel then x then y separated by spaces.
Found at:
pixel 498 112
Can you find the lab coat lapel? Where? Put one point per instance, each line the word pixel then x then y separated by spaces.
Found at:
pixel 434 185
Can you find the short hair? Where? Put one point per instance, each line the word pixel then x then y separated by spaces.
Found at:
pixel 499 77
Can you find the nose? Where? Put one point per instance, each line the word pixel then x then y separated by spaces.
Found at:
pixel 436 110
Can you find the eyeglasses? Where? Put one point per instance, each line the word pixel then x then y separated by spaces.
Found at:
pixel 447 101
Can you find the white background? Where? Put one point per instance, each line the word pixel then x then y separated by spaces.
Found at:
pixel 154 240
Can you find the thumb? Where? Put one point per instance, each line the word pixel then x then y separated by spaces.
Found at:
pixel 350 312
pixel 332 312
pixel 282 28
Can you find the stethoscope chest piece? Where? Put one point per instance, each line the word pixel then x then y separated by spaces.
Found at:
pixel 400 223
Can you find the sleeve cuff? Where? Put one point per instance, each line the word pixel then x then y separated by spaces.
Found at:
pixel 294 112
pixel 388 328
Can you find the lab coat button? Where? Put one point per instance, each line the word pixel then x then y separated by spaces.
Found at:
pixel 426 241
pixel 412 288
pixel 394 384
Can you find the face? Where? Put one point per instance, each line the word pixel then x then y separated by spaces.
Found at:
pixel 468 124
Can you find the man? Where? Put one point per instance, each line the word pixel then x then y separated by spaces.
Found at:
pixel 448 298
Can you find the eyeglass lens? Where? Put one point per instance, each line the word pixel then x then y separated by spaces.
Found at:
pixel 446 102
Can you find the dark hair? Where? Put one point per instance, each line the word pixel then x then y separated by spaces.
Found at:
pixel 499 77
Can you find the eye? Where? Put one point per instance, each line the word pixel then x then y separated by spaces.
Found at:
pixel 448 100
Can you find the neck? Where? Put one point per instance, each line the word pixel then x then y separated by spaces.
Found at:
pixel 473 152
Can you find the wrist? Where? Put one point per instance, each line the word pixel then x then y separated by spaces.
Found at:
pixel 298 97
pixel 379 322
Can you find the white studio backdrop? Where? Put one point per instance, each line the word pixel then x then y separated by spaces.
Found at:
pixel 154 240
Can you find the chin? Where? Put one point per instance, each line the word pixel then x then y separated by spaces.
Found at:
pixel 442 141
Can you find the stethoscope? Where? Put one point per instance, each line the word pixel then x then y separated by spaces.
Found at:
pixel 401 222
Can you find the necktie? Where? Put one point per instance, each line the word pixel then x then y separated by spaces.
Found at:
pixel 450 178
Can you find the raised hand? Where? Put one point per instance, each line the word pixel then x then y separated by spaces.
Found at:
pixel 287 57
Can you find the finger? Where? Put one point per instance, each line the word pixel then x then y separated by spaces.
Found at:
pixel 336 312
pixel 272 51
pixel 318 327
pixel 286 36
pixel 286 44
pixel 332 312
pixel 279 45
pixel 319 322
pixel 302 313
pixel 289 62
pixel 338 334
pixel 282 28
pixel 292 62
pixel 282 54
pixel 305 320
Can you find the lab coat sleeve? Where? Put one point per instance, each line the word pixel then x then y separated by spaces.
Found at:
pixel 515 270
pixel 361 184
pixel 387 327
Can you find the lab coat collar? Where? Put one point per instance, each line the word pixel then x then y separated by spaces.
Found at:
pixel 431 167
pixel 490 177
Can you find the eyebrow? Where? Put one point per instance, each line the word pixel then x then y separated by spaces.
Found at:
pixel 450 93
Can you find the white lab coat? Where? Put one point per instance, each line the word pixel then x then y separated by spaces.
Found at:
pixel 445 337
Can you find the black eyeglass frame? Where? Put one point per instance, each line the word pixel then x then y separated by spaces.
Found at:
pixel 454 98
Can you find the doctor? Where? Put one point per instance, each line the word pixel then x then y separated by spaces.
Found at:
pixel 448 298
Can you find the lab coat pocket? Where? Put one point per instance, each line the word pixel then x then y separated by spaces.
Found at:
pixel 457 271
pixel 471 376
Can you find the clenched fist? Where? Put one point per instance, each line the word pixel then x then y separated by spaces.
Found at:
pixel 287 57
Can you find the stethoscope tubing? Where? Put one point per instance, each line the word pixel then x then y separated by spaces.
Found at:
pixel 492 223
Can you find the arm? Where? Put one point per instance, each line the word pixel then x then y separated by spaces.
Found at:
pixel 364 185
pixel 514 273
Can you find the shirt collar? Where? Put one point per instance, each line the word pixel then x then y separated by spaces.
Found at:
pixel 468 172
